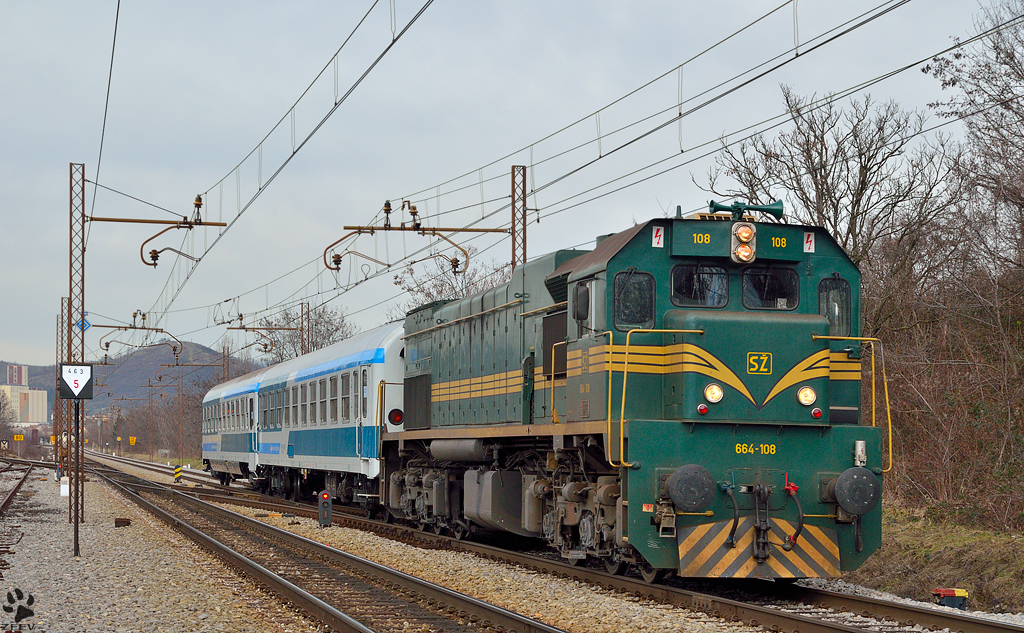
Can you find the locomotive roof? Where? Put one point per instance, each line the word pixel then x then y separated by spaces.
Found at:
pixel 597 259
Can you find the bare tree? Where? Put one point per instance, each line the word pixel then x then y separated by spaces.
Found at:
pixel 326 327
pixel 859 174
pixel 436 282
pixel 8 412
pixel 987 81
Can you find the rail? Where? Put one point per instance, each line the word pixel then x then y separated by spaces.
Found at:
pixel 885 382
pixel 905 614
pixel 497 617
pixel 14 491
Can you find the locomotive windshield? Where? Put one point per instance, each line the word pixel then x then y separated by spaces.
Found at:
pixel 770 288
pixel 700 286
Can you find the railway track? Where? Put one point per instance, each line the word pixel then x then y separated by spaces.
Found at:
pixel 188 474
pixel 9 490
pixel 775 606
pixel 315 577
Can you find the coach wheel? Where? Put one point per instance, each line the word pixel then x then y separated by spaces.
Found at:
pixel 615 567
pixel 651 574
pixel 438 529
pixel 460 532
pixel 578 562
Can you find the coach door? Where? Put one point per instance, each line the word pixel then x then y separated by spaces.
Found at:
pixel 362 410
pixel 254 437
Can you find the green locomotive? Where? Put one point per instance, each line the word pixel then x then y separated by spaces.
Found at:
pixel 685 398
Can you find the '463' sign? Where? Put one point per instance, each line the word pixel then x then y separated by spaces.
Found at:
pixel 76 382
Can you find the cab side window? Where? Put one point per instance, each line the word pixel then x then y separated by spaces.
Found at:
pixel 633 300
pixel 835 303
pixel 699 286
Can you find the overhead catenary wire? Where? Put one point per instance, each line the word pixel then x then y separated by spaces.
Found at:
pixel 607 193
pixel 193 265
pixel 836 32
pixel 106 108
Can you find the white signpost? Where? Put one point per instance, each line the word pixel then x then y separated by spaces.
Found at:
pixel 76 378
pixel 76 384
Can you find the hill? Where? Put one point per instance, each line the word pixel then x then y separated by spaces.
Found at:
pixel 126 378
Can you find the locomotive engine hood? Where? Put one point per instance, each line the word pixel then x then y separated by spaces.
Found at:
pixel 759 361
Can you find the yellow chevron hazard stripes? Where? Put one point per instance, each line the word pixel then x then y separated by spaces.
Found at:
pixel 703 551
pixel 650 359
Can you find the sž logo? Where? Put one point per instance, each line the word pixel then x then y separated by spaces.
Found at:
pixel 18 603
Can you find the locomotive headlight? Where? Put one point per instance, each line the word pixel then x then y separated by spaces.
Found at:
pixel 744 253
pixel 744 232
pixel 713 393
pixel 806 396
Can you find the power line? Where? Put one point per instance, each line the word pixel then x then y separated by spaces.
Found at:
pixel 106 106
pixel 193 265
pixel 836 32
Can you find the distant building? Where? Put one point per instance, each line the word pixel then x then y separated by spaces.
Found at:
pixel 30 404
pixel 17 375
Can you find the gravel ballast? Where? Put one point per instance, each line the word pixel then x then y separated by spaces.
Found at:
pixel 144 577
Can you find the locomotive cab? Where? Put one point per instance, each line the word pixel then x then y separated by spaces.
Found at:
pixel 733 398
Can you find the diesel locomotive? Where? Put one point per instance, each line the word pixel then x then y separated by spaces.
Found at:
pixel 684 398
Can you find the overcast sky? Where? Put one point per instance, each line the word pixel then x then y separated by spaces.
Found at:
pixel 197 85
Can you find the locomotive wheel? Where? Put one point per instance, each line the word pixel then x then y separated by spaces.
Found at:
pixel 651 574
pixel 615 567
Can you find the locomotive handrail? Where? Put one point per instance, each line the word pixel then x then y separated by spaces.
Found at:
pixel 625 375
pixel 551 308
pixel 610 355
pixel 885 382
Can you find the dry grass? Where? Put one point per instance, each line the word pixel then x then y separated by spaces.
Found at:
pixel 920 554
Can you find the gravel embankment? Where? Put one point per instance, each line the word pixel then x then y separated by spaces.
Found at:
pixel 141 578
pixel 567 604
pixel 841 586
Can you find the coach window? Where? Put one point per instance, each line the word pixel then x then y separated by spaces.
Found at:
pixel 323 401
pixel 834 303
pixel 366 382
pixel 695 285
pixel 287 407
pixel 312 403
pixel 334 399
pixel 355 395
pixel 277 403
pixel 633 300
pixel 767 288
pixel 304 394
pixel 295 406
pixel 345 411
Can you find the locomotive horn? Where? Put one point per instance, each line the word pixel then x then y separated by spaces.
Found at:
pixel 737 209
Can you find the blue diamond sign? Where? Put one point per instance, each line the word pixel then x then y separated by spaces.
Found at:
pixel 83 324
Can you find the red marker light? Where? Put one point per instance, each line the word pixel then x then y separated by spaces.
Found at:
pixel 702 408
pixel 395 416
pixel 324 496
pixel 815 413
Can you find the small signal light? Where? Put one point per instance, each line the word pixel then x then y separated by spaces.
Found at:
pixel 396 416
pixel 702 408
pixel 325 495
